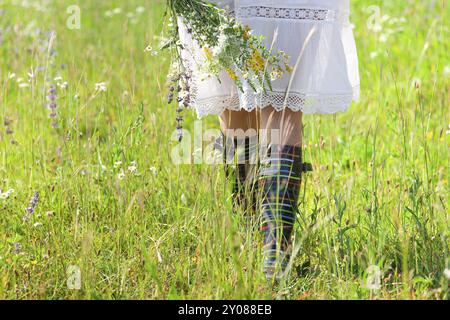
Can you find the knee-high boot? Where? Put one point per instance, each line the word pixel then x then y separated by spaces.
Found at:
pixel 241 165
pixel 280 181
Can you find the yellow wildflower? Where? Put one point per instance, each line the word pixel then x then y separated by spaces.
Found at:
pixel 288 68
pixel 208 53
pixel 256 62
pixel 247 32
pixel 232 74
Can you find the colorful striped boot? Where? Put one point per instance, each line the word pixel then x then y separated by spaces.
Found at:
pixel 280 181
pixel 241 154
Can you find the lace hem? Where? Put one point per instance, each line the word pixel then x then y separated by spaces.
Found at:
pixel 304 102
pixel 305 14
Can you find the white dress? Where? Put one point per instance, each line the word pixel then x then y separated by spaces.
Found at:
pixel 326 79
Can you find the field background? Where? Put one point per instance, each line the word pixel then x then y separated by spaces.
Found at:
pixel 113 206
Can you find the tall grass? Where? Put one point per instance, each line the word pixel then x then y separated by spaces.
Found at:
pixel 112 204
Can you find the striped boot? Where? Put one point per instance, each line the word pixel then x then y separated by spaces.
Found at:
pixel 280 180
pixel 240 154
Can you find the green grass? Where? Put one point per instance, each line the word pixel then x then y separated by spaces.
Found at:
pixel 379 195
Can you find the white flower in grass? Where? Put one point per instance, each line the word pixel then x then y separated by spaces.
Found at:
pixel 24 85
pixel 140 9
pixel 150 50
pixel 101 87
pixel 374 54
pixel 376 27
pixel 121 175
pixel 183 199
pixel 31 74
pixel 397 21
pixel 11 75
pixel 373 280
pixel 7 194
pixel 154 171
pixel 63 85
pixel 446 71
pixel 416 83
pixel 117 164
pixel 117 11
pixel 447 273
pixel 133 167
pixel 448 131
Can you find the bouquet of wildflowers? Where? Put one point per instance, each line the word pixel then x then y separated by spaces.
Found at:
pixel 227 46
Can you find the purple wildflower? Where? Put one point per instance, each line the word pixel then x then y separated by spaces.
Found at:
pixel 17 247
pixel 7 123
pixel 51 98
pixel 170 95
pixel 32 206
pixel 51 93
pixel 33 203
pixel 184 100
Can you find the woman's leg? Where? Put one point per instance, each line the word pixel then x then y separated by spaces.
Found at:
pixel 280 180
pixel 240 130
pixel 236 120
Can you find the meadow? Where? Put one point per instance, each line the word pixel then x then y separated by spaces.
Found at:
pixel 92 207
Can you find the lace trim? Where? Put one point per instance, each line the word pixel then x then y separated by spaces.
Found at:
pixel 312 14
pixel 308 103
pixel 216 105
pixel 304 102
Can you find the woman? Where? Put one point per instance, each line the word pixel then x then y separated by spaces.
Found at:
pixel 318 38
